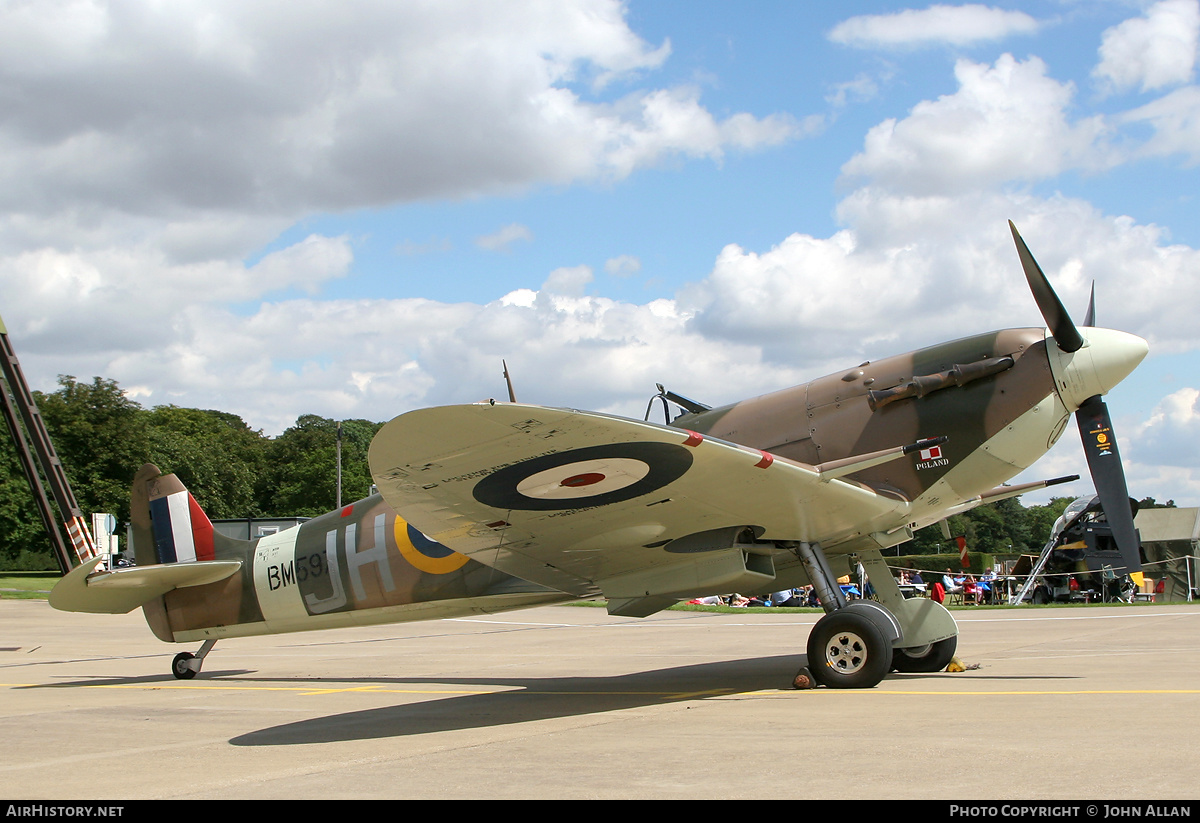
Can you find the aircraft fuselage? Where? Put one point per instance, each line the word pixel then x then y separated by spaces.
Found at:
pixel 359 565
pixel 993 395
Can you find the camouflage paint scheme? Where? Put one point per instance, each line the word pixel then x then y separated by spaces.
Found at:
pixel 838 416
pixel 286 584
pixel 325 573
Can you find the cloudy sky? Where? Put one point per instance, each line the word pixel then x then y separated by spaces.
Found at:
pixel 356 209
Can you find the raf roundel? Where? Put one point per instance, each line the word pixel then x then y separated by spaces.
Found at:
pixel 593 476
pixel 425 554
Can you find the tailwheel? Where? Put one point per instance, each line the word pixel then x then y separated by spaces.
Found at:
pixel 181 666
pixel 846 650
pixel 932 657
pixel 186 665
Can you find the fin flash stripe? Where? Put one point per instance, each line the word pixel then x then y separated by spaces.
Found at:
pixel 182 532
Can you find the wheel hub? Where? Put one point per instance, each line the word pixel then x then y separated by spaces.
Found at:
pixel 846 652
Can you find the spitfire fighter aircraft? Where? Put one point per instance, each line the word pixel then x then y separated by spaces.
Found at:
pixel 495 506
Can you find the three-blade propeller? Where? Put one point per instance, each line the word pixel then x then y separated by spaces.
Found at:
pixel 1092 417
pixel 1058 321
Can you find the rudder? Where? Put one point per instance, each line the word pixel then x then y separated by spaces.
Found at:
pixel 167 524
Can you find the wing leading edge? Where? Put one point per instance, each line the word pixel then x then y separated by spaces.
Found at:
pixel 589 503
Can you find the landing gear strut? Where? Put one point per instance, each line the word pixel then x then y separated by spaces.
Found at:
pixel 186 665
pixel 851 646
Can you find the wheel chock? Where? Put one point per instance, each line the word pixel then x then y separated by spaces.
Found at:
pixel 804 680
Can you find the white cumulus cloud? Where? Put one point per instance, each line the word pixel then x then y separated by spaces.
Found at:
pixel 193 109
pixel 1175 120
pixel 1006 122
pixel 1153 51
pixel 955 25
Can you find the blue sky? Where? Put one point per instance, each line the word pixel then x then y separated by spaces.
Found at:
pixel 355 209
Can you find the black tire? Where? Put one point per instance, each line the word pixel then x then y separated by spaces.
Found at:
pixel 1040 596
pixel 180 668
pixel 929 658
pixel 847 651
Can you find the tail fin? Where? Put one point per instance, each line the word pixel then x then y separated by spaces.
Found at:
pixel 174 546
pixel 168 524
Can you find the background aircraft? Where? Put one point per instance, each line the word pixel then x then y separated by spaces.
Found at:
pixel 496 506
pixel 1080 556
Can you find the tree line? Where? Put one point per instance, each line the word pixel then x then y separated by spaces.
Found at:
pixel 103 437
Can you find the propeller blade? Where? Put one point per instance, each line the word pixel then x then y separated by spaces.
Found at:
pixel 1104 462
pixel 1058 321
pixel 1090 320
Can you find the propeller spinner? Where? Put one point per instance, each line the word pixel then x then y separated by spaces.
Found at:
pixel 1084 369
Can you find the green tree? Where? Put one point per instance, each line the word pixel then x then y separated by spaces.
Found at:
pixel 103 437
pixel 1002 527
pixel 23 541
pixel 100 436
pixel 1042 518
pixel 930 540
pixel 300 475
pixel 1016 525
pixel 215 454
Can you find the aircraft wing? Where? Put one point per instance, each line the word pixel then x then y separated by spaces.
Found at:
pixel 586 502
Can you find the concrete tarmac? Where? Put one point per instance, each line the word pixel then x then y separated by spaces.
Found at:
pixel 568 702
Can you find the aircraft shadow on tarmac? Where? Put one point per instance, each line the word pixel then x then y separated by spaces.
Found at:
pixel 538 699
pixel 147 679
pixel 708 679
pixel 522 700
pixel 530 699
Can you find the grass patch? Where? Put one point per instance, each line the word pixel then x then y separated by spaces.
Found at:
pixel 27 586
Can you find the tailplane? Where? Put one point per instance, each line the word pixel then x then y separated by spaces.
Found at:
pixel 173 546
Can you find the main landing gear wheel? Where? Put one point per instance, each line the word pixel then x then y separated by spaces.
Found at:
pixel 180 667
pixel 932 657
pixel 847 651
